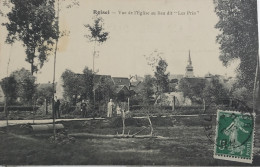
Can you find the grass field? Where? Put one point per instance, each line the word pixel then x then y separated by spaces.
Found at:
pixel 186 144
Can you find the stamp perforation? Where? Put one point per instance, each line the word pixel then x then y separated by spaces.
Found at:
pixel 234 157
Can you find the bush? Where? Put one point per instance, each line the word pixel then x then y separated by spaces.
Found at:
pixel 19 108
pixel 66 107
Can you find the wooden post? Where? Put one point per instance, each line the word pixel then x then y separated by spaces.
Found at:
pixel 123 118
pixel 33 105
pixel 173 104
pixel 46 106
pixel 151 125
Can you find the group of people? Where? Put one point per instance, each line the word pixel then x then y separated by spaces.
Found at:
pixel 84 106
pixel 112 109
pixel 115 110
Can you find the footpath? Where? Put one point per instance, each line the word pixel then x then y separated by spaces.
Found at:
pixel 3 123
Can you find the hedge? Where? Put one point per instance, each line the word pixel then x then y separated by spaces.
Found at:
pixel 139 107
pixel 19 108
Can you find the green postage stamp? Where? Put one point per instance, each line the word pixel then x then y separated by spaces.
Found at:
pixel 234 136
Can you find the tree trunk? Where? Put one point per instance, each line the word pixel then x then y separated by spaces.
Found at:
pixel 32 62
pixel 32 68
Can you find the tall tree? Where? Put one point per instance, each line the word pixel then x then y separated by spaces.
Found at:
pixel 33 23
pixel 238 36
pixel 159 67
pixel 161 76
pixel 98 36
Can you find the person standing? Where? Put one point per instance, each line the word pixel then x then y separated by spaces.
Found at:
pixel 57 107
pixel 83 107
pixel 110 107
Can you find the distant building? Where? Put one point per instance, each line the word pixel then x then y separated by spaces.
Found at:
pixel 189 69
pixel 121 84
pixel 121 81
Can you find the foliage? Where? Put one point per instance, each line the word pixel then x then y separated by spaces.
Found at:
pixel 122 95
pixel 147 90
pixel 10 86
pixel 73 84
pixel 88 83
pixel 78 85
pixel 97 34
pixel 33 23
pixel 192 87
pixel 21 83
pixel 239 36
pixel 162 78
pixel 26 85
pixel 241 93
pixel 96 30
pixel 105 90
pixel 159 66
pixel 215 91
pixel 44 92
pixel 66 107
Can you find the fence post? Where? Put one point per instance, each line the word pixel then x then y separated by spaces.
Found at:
pixel 46 106
pixel 173 104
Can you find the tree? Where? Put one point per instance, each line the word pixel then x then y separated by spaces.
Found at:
pixel 88 83
pixel 9 86
pixel 105 90
pixel 214 91
pixel 192 88
pixel 97 35
pixel 239 36
pixel 44 92
pixel 159 66
pixel 147 90
pixel 162 78
pixel 26 85
pixel 73 84
pixel 33 23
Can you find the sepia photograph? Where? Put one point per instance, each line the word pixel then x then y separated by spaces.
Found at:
pixel 129 82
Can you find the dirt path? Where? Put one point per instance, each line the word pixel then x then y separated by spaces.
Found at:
pixel 16 122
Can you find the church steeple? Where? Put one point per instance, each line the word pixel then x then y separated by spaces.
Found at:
pixel 189 61
pixel 189 68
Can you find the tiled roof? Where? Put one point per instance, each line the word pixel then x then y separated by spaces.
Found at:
pixel 121 81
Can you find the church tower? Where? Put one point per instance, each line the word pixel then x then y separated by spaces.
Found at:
pixel 189 69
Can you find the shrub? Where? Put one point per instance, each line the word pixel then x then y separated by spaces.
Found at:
pixel 66 107
pixel 19 108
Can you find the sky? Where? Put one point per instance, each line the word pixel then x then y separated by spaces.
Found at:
pixel 172 27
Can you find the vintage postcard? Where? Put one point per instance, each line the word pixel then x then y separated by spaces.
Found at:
pixel 129 82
